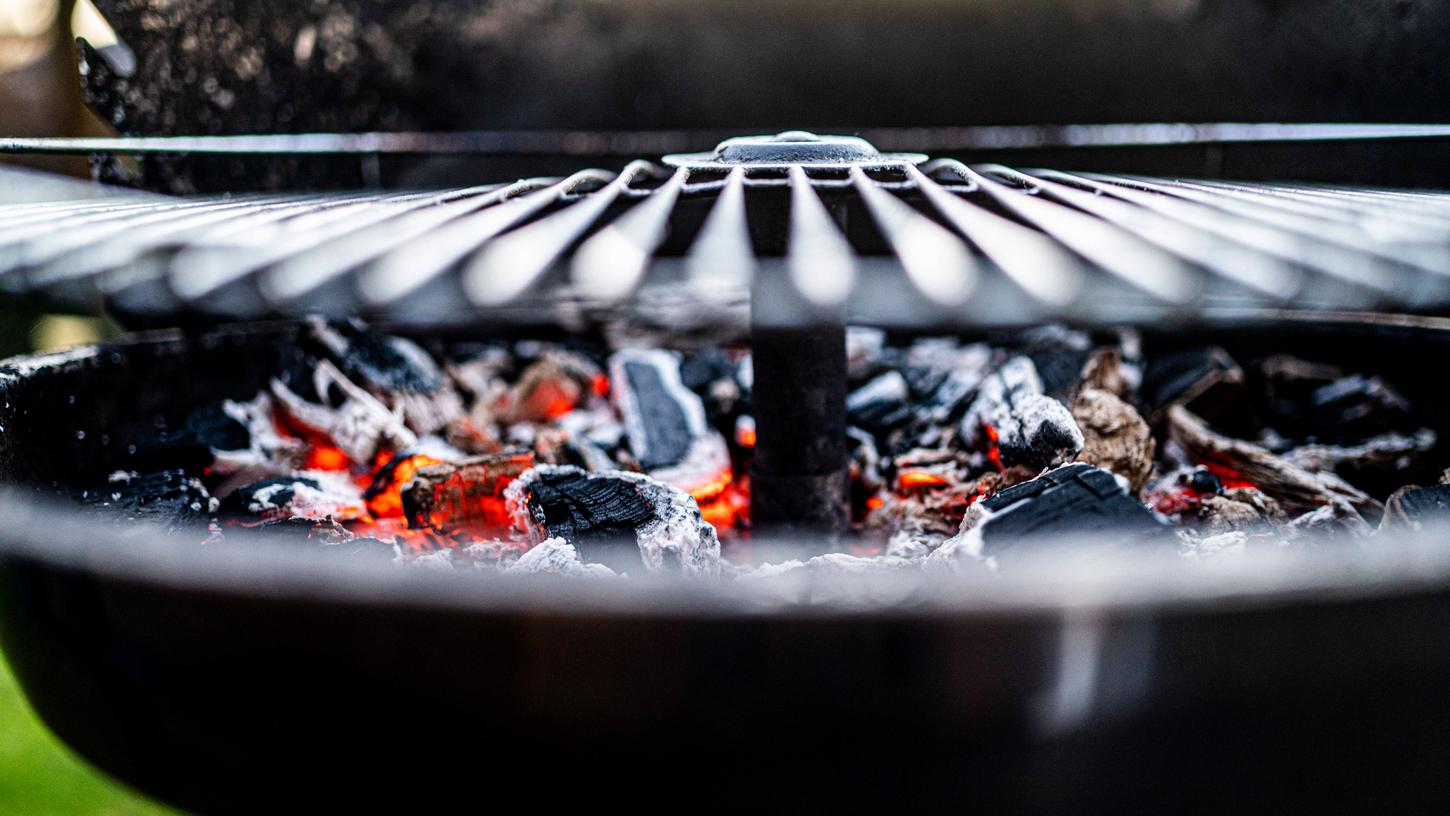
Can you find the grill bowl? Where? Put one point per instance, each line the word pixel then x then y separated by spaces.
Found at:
pixel 231 681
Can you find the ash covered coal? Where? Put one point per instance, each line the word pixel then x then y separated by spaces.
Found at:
pixel 601 460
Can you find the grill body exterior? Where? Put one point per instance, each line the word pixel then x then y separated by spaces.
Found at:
pixel 232 682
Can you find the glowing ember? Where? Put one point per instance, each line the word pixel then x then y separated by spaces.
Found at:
pixel 919 478
pixel 384 497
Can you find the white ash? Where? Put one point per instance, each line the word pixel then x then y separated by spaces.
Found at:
pixel 439 560
pixel 310 494
pixel 965 549
pixel 493 554
pixel 676 533
pixel 1031 428
pixel 1231 543
pixel 359 426
pixel 555 556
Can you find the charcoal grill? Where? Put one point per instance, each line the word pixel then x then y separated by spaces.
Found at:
pixel 223 681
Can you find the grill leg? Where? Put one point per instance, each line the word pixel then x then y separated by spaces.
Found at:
pixel 800 477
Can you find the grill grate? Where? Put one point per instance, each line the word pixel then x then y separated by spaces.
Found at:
pixel 891 239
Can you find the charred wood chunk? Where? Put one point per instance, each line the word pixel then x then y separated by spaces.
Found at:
pixel 1183 377
pixel 1073 500
pixel 624 520
pixel 170 498
pixel 466 496
pixel 1020 425
pixel 665 421
pixel 1115 437
pixel 191 445
pixel 1413 507
pixel 719 379
pixel 1293 486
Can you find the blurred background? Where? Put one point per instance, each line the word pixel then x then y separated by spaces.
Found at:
pixel 39 96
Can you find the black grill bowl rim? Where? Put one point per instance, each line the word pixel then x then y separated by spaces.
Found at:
pixel 225 680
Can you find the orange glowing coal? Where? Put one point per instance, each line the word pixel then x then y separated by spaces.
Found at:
pixel 918 478
pixel 385 499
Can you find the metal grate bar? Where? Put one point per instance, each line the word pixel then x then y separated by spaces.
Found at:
pixel 947 242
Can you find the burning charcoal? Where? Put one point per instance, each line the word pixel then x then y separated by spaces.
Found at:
pixel 665 422
pixel 1184 377
pixel 552 386
pixel 191 445
pixel 466 496
pixel 384 496
pixel 622 519
pixel 555 556
pixel 1412 507
pixel 1075 499
pixel 393 369
pixel 1017 422
pixel 1294 487
pixel 311 494
pixel 1182 490
pixel 170 498
pixel 262 451
pixel 1115 437
pixel 343 414
pixel 1058 354
pixel 1239 509
pixel 880 404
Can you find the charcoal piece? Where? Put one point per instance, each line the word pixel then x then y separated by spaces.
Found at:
pixel 1293 486
pixel 170 498
pixel 376 360
pixel 1115 437
pixel 880 404
pixel 463 496
pixel 1059 354
pixel 865 347
pixel 1073 500
pixel 1312 401
pixel 1411 508
pixel 623 520
pixel 1390 451
pixel 551 386
pixel 394 369
pixel 715 377
pixel 191 446
pixel 1182 377
pixel 664 421
pixel 313 494
pixel 1012 417
pixel 1242 508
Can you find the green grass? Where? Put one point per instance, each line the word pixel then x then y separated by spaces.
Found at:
pixel 40 777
